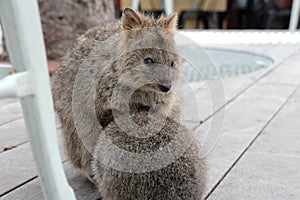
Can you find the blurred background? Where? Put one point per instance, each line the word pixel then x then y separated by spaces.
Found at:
pixel 222 14
pixel 64 20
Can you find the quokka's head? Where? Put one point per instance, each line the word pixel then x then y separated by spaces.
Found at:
pixel 149 55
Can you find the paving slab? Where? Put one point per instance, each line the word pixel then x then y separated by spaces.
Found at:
pixel 9 111
pixel 16 167
pixel 269 169
pixel 83 188
pixel 6 101
pixel 12 134
pixel 288 72
pixel 244 119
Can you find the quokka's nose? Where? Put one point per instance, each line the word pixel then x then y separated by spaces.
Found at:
pixel 165 88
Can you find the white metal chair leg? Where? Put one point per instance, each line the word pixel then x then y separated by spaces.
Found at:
pixel 135 4
pixel 294 15
pixel 169 6
pixel 22 29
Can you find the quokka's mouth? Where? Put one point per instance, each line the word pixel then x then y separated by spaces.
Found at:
pixel 165 88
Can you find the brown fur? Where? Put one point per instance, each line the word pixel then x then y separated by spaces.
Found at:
pixel 93 72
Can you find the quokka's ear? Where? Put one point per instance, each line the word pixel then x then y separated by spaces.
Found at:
pixel 169 22
pixel 131 19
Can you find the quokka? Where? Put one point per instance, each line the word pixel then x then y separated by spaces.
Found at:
pixel 129 69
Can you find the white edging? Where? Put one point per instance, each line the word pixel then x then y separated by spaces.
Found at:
pixel 294 15
pixel 242 37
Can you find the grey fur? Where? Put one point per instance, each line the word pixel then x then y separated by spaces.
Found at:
pixel 183 178
pixel 84 87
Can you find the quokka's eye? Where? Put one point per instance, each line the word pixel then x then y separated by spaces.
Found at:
pixel 172 64
pixel 148 61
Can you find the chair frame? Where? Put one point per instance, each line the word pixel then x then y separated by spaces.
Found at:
pixel 25 44
pixel 294 19
pixel 168 5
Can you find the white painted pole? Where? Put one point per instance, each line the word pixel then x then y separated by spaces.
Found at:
pixel 23 33
pixel 169 6
pixel 1 45
pixel 294 15
pixel 135 4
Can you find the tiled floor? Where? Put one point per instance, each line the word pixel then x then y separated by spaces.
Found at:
pixel 253 135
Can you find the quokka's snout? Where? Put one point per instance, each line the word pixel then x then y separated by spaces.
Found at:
pixel 157 78
pixel 166 77
pixel 165 88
